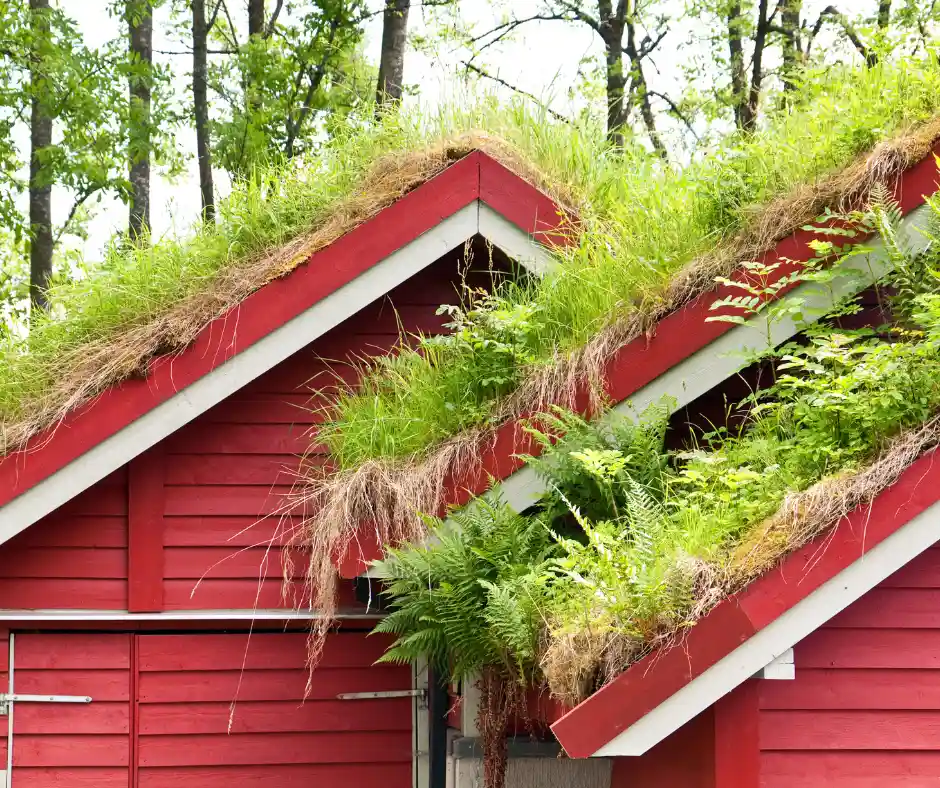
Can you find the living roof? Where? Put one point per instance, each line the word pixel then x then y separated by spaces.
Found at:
pixel 646 224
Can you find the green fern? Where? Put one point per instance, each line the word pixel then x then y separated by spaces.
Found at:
pixel 468 599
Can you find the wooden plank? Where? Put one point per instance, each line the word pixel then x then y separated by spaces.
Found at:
pixel 257 408
pixel 897 608
pixel 64 562
pixel 146 495
pixel 854 689
pixel 227 594
pixel 70 751
pixel 79 650
pixel 284 684
pixel 102 685
pixel 874 769
pixel 62 530
pixel 78 777
pixel 73 719
pixel 225 531
pixel 248 501
pixel 272 748
pixel 856 648
pixel 737 745
pixel 110 501
pixel 65 594
pixel 312 716
pixel 338 775
pixel 264 651
pixel 240 439
pixel 234 469
pixel 228 562
pixel 850 730
pixel 922 572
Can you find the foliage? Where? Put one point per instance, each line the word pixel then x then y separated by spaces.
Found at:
pixel 643 224
pixel 645 536
pixel 467 600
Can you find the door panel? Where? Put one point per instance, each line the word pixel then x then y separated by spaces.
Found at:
pixel 72 745
pixel 162 713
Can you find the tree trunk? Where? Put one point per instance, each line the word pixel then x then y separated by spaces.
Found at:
pixel 752 106
pixel 792 45
pixel 392 59
pixel 40 185
pixel 140 25
pixel 736 63
pixel 639 91
pixel 201 109
pixel 255 18
pixel 884 15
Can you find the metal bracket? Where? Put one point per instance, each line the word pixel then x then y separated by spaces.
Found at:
pixel 412 693
pixel 6 698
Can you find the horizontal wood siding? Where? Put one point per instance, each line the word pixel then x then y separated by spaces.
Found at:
pixel 196 710
pixel 72 745
pixel 192 735
pixel 864 709
pixel 230 474
pixel 74 558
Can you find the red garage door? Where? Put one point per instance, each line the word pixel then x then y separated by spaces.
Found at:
pixel 162 714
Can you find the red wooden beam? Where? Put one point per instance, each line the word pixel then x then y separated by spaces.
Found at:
pixel 145 504
pixel 737 738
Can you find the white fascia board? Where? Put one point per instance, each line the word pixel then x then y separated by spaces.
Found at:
pixel 719 360
pixel 263 355
pixel 804 618
pixel 520 246
pixel 171 616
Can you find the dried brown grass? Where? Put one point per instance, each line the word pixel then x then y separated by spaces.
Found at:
pixel 560 382
pixel 90 369
pixel 387 494
pixel 577 662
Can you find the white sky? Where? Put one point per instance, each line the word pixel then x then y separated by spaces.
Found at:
pixel 543 59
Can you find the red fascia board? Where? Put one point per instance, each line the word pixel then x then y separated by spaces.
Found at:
pixel 677 336
pixel 262 312
pixel 651 681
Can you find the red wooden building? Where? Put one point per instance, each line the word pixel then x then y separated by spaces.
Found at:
pixel 138 567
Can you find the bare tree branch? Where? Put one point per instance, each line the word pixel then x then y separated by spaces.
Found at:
pixel 500 81
pixel 674 108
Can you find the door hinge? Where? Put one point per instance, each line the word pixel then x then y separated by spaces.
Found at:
pixel 6 698
pixel 412 693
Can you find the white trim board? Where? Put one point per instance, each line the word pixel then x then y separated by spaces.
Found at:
pixel 773 641
pixel 719 360
pixel 112 453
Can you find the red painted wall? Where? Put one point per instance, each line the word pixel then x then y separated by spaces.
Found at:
pixel 224 477
pixel 162 712
pixel 864 710
pixel 74 558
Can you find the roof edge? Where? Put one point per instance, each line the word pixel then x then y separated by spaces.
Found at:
pixel 659 694
pixel 324 274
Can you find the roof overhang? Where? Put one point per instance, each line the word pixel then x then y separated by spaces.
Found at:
pixel 475 195
pixel 659 694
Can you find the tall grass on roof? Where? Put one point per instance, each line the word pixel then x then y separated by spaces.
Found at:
pixel 634 542
pixel 649 240
pixel 643 227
